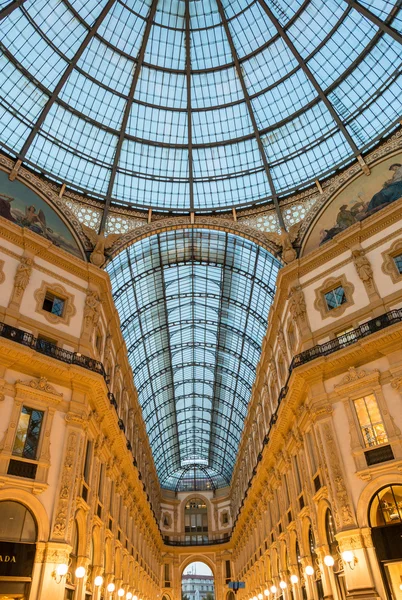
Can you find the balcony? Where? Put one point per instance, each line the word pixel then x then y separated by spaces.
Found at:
pixel 49 349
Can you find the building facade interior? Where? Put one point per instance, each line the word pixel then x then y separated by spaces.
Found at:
pixel 200 299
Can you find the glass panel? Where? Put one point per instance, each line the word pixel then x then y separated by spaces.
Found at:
pixel 393 571
pixel 16 523
pixel 398 262
pixel 370 421
pixel 193 306
pixel 335 297
pixel 28 432
pixel 386 506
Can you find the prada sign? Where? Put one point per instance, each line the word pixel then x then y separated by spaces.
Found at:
pixel 16 560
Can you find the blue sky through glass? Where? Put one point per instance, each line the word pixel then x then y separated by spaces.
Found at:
pixel 98 112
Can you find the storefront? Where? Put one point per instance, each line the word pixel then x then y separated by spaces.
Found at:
pixel 386 522
pixel 18 534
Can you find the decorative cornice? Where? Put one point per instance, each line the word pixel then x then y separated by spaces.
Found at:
pixel 356 378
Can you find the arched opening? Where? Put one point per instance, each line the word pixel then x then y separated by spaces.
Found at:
pixel 196 521
pixel 197 582
pixel 316 577
pixel 334 551
pixel 18 535
pixel 385 518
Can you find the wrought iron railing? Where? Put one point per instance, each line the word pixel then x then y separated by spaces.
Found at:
pixel 44 347
pixel 343 341
pixel 49 349
pixel 346 339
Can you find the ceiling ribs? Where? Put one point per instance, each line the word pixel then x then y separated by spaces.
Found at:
pixel 306 70
pixel 7 10
pixel 382 25
pixel 257 136
pixel 126 114
pixel 168 348
pixel 189 111
pixel 62 81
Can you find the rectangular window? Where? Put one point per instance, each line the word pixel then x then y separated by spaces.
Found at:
pixel 370 421
pixel 296 471
pixel 312 452
pixel 101 482
pixel 398 263
pixel 53 304
pixel 28 432
pixel 87 464
pixel 335 297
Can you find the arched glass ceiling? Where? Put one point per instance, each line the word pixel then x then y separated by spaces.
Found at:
pixel 193 307
pixel 196 105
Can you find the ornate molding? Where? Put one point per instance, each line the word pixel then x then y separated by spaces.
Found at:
pixel 220 224
pixel 389 266
pixel 41 384
pixel 66 486
pixel 357 378
pixel 320 303
pixel 60 291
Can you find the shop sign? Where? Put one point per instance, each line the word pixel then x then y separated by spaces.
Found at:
pixel 16 560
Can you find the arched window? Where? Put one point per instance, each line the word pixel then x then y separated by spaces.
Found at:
pixel 196 520
pixel 386 506
pixel 330 533
pixel 333 545
pixel 18 534
pixel 385 517
pixel 314 559
pixel 17 523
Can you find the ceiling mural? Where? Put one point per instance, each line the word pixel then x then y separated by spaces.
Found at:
pixel 22 206
pixel 360 199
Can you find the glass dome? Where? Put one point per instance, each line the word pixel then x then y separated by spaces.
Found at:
pixel 196 105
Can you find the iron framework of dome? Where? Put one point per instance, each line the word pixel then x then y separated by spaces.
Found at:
pixel 190 105
pixel 193 307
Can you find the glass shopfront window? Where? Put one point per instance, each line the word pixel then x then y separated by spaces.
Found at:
pixel 18 534
pixel 385 514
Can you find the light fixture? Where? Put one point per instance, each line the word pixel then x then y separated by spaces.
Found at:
pixel 111 587
pixel 309 570
pixel 120 592
pixel 266 592
pixel 129 595
pixel 273 589
pixel 61 570
pixel 80 572
pixel 135 597
pixel 283 585
pixel 260 596
pixel 329 560
pixel 294 578
pixel 255 598
pixel 98 581
pixel 349 558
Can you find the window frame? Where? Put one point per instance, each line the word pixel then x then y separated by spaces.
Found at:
pixel 327 286
pixel 360 427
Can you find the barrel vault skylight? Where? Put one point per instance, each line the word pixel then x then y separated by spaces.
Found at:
pixel 196 105
pixel 193 306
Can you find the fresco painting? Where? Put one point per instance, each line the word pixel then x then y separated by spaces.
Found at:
pixel 22 206
pixel 362 198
